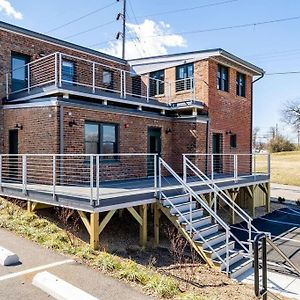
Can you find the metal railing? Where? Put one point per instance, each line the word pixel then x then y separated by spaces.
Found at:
pixel 78 74
pixel 89 177
pixel 231 166
pixel 193 195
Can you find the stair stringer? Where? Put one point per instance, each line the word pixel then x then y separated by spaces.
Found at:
pixel 184 233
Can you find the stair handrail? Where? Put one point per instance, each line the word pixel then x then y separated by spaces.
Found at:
pixel 214 187
pixel 203 203
pixel 202 238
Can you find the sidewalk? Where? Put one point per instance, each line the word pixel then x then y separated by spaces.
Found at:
pixel 289 192
pixel 15 281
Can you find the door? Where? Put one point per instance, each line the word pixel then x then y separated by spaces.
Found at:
pixel 68 72
pixel 13 150
pixel 154 146
pixel 217 151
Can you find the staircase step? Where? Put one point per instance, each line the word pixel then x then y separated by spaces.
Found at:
pixel 196 214
pixel 183 208
pixel 241 267
pixel 207 230
pixel 219 248
pixel 178 199
pixel 197 223
pixel 211 240
pixel 234 256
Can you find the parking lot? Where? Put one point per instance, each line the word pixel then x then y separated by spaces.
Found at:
pixel 16 281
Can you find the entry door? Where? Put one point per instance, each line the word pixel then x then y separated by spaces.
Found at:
pixel 217 149
pixel 13 150
pixel 154 146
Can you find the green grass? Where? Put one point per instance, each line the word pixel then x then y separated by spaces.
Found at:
pixel 51 236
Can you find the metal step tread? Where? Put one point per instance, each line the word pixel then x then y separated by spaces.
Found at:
pixel 183 212
pixel 195 210
pixel 206 226
pixel 217 246
pixel 180 204
pixel 210 237
pixel 197 219
pixel 232 253
pixel 239 264
pixel 179 196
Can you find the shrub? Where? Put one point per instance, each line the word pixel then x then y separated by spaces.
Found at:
pixel 298 202
pixel 281 199
pixel 280 144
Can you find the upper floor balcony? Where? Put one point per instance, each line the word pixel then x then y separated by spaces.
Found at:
pixel 60 74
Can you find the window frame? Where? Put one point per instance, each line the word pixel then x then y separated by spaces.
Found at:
pixel 187 86
pixel 100 141
pixel 223 84
pixel 233 141
pixel 161 78
pixel 240 87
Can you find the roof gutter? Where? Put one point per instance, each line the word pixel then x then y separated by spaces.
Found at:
pixel 251 133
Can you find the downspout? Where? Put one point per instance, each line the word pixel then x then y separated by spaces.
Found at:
pixel 61 129
pixel 251 133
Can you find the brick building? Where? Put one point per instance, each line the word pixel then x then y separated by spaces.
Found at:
pixel 58 97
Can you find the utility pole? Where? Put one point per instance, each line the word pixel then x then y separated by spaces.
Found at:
pixel 123 33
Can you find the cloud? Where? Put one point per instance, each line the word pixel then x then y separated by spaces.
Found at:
pixel 9 10
pixel 146 39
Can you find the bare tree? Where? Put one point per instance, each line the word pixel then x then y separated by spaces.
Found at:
pixel 291 113
pixel 254 137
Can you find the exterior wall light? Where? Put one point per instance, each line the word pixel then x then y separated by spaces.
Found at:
pixel 72 123
pixel 19 126
pixel 169 130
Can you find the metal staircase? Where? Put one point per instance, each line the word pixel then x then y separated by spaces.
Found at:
pixel 206 231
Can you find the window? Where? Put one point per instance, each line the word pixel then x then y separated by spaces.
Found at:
pixel 19 71
pixel 233 140
pixel 240 84
pixel 184 77
pixel 107 79
pixel 68 71
pixel 223 78
pixel 101 138
pixel 157 84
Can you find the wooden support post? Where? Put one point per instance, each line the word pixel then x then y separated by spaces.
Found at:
pixel 143 226
pixel 95 230
pixel 29 206
pixel 157 214
pixel 268 197
pixel 209 199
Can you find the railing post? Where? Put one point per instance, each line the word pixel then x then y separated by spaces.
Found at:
pixel 159 178
pixel 235 167
pixel 148 88
pixel 155 173
pixel 98 179
pixel 55 68
pixel 212 166
pixel 54 176
pixel 194 88
pixel 227 252
pixel 7 85
pixel 191 210
pixel 28 78
pixel 250 238
pixel 215 204
pixel 94 77
pixel 269 165
pixel 92 179
pixel 0 172
pixel 121 84
pixel 24 173
pixel 124 83
pixel 60 69
pixel 254 165
pixel 184 169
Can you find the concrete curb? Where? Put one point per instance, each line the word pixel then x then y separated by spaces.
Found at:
pixel 58 288
pixel 8 258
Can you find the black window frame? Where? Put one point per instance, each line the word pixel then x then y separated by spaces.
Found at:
pixel 100 141
pixel 240 84
pixel 157 78
pixel 233 140
pixel 223 83
pixel 23 83
pixel 182 84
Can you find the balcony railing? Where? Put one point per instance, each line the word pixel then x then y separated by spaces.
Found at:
pixel 72 73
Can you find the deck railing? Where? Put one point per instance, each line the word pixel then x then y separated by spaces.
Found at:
pixel 91 177
pixel 86 76
pixel 231 166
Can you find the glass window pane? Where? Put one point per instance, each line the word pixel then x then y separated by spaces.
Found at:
pixel 91 132
pixel 68 70
pixel 18 68
pixel 107 77
pixel 91 148
pixel 109 133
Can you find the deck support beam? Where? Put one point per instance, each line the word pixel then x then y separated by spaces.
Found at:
pixel 157 215
pixel 33 206
pixel 266 188
pixel 232 194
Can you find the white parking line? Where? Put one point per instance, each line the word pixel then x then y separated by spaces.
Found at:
pixel 39 268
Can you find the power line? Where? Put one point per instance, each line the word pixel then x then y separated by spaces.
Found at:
pixel 81 17
pixel 89 30
pixel 187 9
pixel 283 73
pixel 219 28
